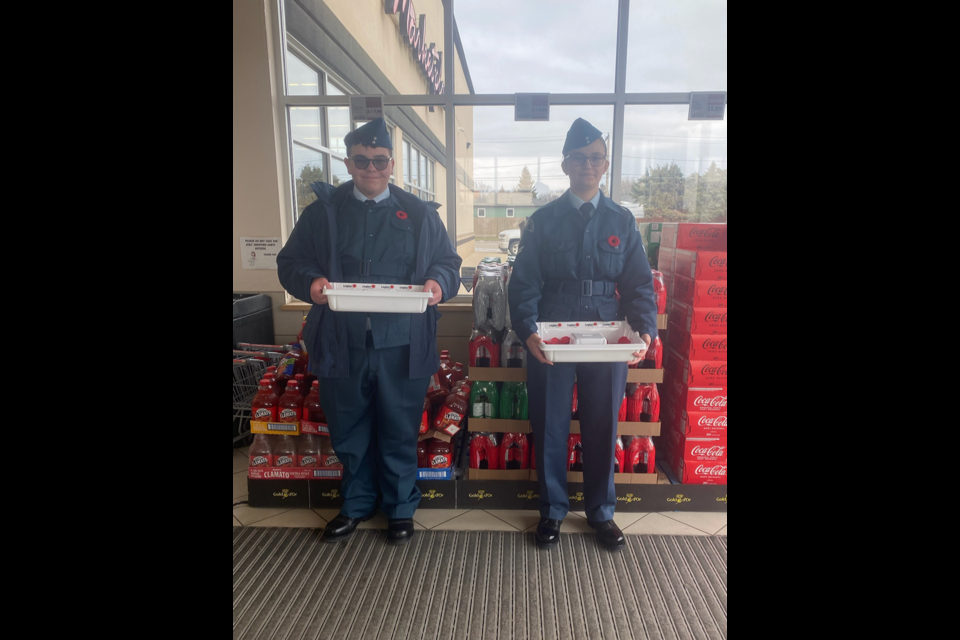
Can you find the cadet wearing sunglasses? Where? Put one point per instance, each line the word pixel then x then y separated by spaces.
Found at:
pixel 373 367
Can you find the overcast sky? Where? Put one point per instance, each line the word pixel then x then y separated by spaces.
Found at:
pixel 560 46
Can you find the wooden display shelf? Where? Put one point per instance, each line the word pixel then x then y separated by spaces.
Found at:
pixel 523 426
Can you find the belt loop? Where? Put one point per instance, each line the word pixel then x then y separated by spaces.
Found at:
pixel 586 287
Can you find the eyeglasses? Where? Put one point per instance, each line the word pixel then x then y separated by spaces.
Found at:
pixel 363 162
pixel 579 159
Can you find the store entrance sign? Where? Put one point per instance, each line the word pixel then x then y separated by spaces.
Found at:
pixel 428 59
pixel 531 106
pixel 259 253
pixel 365 108
pixel 707 105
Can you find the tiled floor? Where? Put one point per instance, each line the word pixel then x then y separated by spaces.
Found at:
pixel 670 522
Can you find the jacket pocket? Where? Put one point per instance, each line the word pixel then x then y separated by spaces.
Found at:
pixel 607 310
pixel 554 312
pixel 610 258
pixel 559 256
pixel 401 235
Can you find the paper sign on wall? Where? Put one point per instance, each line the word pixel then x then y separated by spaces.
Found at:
pixel 259 253
pixel 531 106
pixel 365 108
pixel 707 105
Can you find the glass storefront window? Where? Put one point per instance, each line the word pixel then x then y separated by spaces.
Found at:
pixel 302 80
pixel 308 167
pixel 675 168
pixel 544 45
pixel 677 46
pixel 305 125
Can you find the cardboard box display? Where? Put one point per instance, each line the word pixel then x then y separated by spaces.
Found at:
pixel 694 235
pixel 694 399
pixel 695 373
pixel 699 320
pixel 666 261
pixel 696 448
pixel 275 428
pixel 699 293
pixel 701 424
pixel 697 346
pixel 691 472
pixel 618 478
pixel 498 474
pixel 500 374
pixel 289 493
pixel 293 473
pixel 434 494
pixel 700 265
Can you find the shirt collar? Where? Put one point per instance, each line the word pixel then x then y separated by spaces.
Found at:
pixel 378 199
pixel 577 202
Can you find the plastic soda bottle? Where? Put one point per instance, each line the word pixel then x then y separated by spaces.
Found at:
pixel 308 450
pixel 439 454
pixel 312 418
pixel 261 455
pixel 291 404
pixel 264 405
pixel 284 450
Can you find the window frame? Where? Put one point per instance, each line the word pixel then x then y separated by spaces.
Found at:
pixel 481 212
pixel 510 212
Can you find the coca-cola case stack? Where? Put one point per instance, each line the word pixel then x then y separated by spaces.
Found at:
pixel 693 404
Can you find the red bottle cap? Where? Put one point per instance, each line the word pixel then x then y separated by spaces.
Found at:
pixel 316 384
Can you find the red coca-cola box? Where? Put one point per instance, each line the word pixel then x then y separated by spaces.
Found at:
pixel 701 265
pixel 697 448
pixel 694 236
pixel 701 424
pixel 693 472
pixel 681 397
pixel 700 320
pixel 699 293
pixel 693 373
pixel 697 346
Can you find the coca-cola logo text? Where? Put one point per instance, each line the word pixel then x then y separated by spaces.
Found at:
pixel 711 401
pixel 712 451
pixel 700 232
pixel 719 421
pixel 717 261
pixel 711 370
pixel 717 290
pixel 715 470
pixel 713 343
pixel 715 317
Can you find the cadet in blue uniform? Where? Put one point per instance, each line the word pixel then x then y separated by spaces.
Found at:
pixel 573 253
pixel 374 368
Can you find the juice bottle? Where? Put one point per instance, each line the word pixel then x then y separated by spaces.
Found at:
pixel 290 408
pixel 312 418
pixel 422 445
pixel 328 457
pixel 457 375
pixel 264 405
pixel 425 417
pixel 261 455
pixel 440 454
pixel 453 411
pixel 284 450
pixel 308 450
pixel 302 384
pixel 446 371
pixel 484 400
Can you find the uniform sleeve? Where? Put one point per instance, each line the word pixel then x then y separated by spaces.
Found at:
pixel 526 283
pixel 637 299
pixel 444 265
pixel 297 262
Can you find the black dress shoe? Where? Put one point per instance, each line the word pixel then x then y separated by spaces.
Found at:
pixel 341 527
pixel 609 534
pixel 548 532
pixel 400 531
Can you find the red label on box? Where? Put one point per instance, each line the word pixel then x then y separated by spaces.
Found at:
pixel 697 449
pixel 697 346
pixel 701 265
pixel 699 293
pixel 691 472
pixel 702 424
pixel 694 373
pixel 696 399
pixel 319 428
pixel 694 235
pixel 700 320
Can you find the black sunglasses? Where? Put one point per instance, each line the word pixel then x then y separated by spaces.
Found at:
pixel 363 162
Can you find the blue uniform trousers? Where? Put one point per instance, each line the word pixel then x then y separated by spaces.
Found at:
pixel 374 419
pixel 600 388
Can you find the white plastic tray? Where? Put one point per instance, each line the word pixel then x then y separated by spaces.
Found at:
pixel 376 298
pixel 610 352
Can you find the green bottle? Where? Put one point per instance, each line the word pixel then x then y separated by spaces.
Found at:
pixel 513 401
pixel 484 400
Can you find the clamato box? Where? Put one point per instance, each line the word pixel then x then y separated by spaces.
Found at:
pixel 694 236
pixel 701 265
pixel 697 346
pixel 698 320
pixel 699 293
pixel 694 373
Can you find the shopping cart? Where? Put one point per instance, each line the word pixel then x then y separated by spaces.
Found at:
pixel 250 362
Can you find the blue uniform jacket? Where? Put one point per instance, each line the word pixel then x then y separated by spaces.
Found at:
pixel 311 252
pixel 560 250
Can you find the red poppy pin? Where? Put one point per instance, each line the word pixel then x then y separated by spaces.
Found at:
pixel 614 241
pixel 402 215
